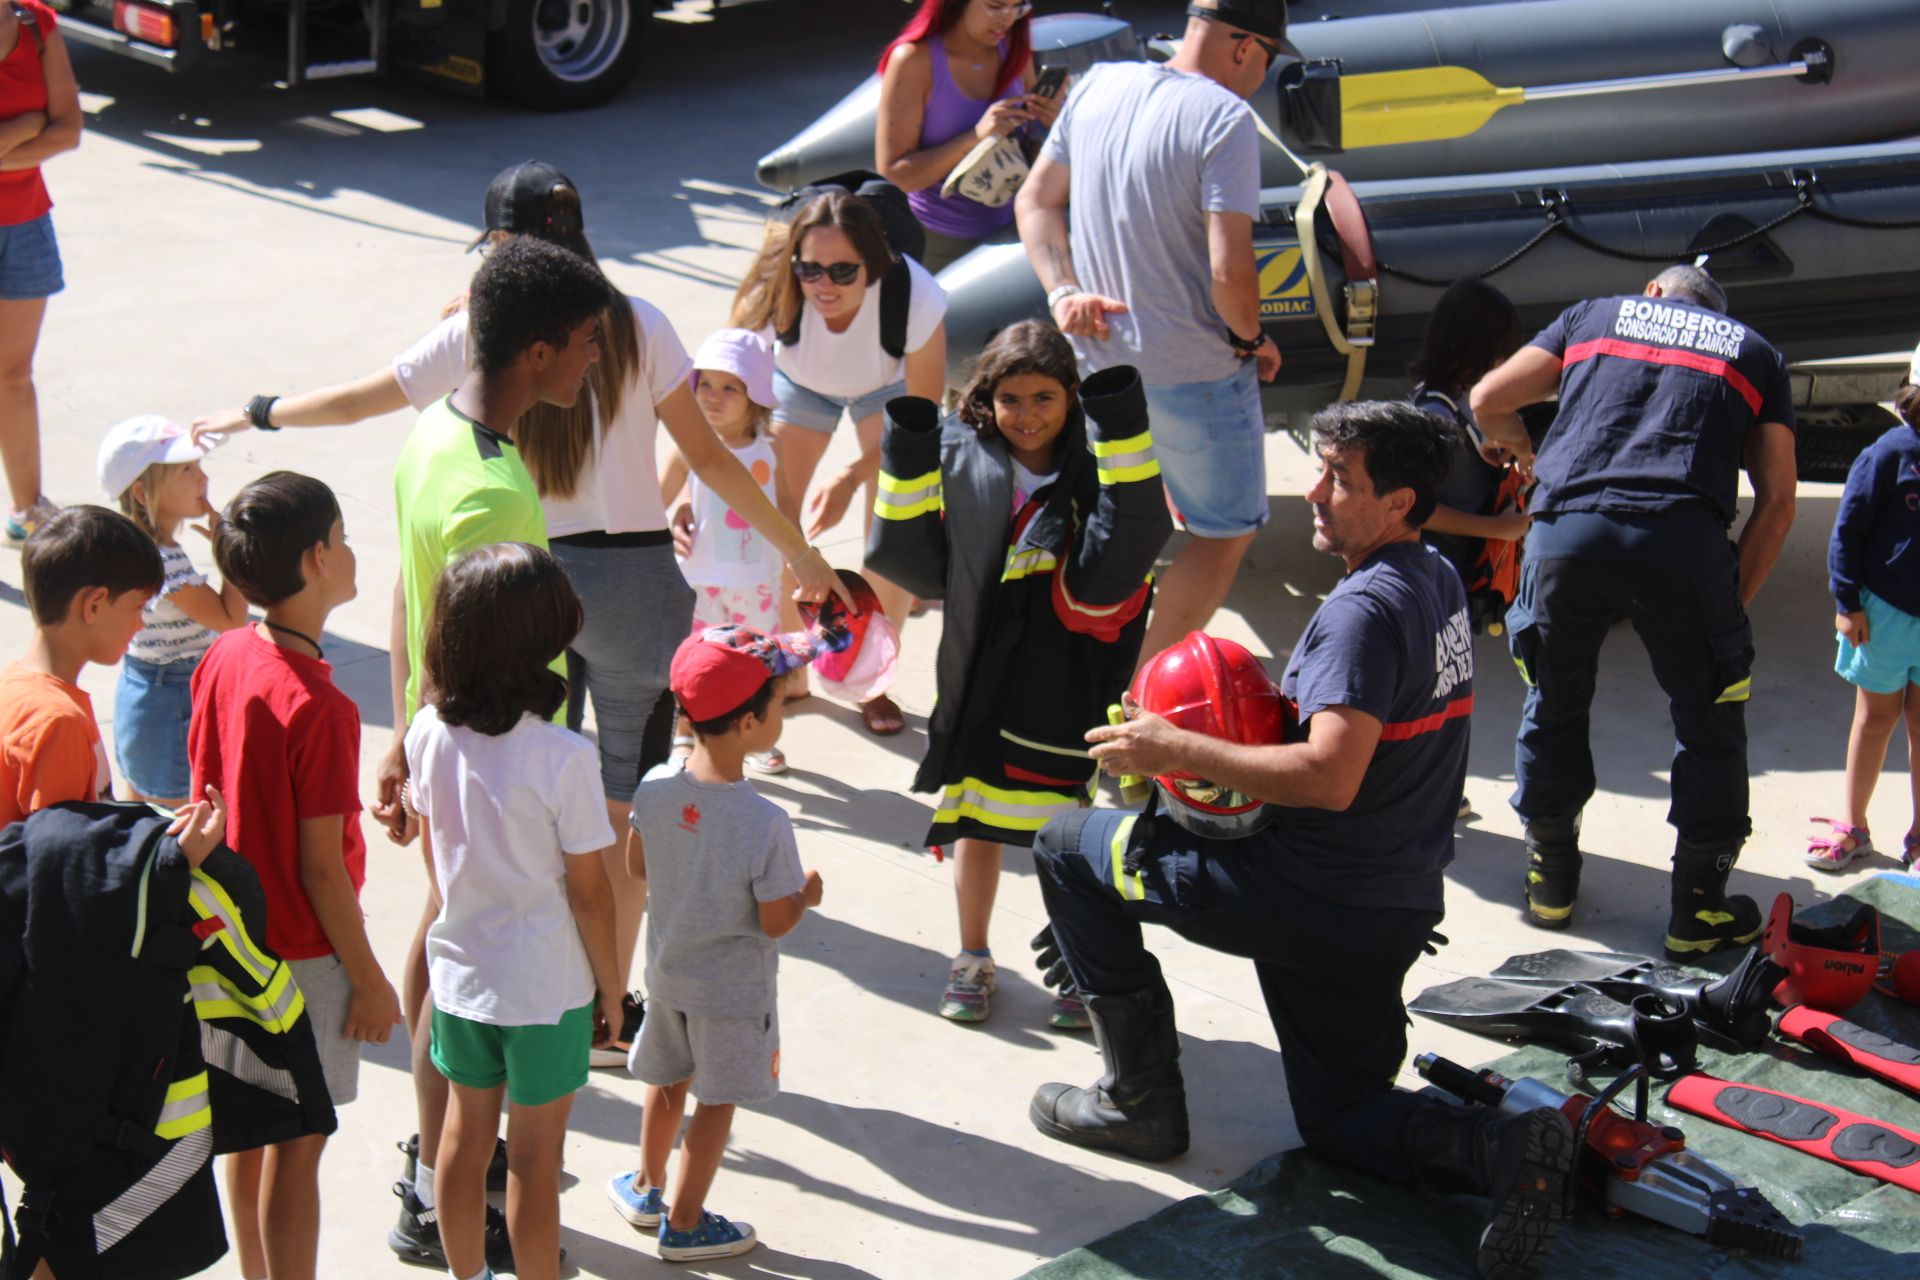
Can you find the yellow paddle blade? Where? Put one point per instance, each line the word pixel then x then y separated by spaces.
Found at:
pixel 1421 104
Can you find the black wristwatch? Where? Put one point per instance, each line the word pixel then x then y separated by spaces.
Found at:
pixel 1246 346
pixel 258 410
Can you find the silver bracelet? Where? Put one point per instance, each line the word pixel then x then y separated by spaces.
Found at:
pixel 1059 292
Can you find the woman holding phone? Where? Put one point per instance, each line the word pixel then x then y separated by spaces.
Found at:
pixel 959 73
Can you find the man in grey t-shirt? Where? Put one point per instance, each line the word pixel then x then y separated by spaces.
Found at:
pixel 1138 218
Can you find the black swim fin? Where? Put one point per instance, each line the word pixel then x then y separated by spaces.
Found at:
pixel 1576 1017
pixel 1734 1007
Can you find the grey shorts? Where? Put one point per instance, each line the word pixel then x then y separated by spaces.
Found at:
pixel 323 981
pixel 729 1060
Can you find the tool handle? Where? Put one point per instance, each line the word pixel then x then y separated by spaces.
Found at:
pixel 1487 1088
pixel 1133 787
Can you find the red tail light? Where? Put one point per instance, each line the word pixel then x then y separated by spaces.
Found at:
pixel 144 22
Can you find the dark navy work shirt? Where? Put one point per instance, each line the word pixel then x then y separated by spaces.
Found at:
pixel 1876 531
pixel 1656 400
pixel 1392 640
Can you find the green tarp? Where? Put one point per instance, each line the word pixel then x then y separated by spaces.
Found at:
pixel 1296 1216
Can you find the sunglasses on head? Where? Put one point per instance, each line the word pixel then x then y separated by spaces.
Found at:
pixel 838 272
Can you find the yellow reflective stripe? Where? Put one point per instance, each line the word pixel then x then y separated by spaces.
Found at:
pixel 899 499
pixel 277 1008
pixel 1114 448
pixel 187 1108
pixel 1119 461
pixel 1025 564
pixel 1525 675
pixel 1001 806
pixel 1131 887
pixel 1145 470
pixel 210 901
pixel 1739 691
pixel 1030 744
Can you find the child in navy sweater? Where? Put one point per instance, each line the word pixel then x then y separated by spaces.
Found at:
pixel 1875 577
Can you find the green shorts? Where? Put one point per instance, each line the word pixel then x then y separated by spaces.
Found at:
pixel 538 1064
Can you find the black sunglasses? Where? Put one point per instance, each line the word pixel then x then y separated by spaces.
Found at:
pixel 839 272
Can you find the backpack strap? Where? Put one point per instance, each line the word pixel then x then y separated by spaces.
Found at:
pixel 30 23
pixel 896 298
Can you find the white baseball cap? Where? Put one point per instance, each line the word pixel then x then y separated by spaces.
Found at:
pixel 138 443
pixel 743 353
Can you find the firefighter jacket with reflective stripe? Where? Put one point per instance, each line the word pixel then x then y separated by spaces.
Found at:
pixel 141 1007
pixel 1044 607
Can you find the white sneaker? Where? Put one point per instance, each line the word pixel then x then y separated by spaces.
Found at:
pixel 970 987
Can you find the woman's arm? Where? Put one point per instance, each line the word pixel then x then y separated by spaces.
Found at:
pixel 897 152
pixel 927 367
pixel 340 405
pixel 61 132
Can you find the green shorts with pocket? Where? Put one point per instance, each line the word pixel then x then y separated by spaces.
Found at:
pixel 538 1064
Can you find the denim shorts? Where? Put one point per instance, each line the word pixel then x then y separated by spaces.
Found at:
pixel 797 406
pixel 1890 660
pixel 30 261
pixel 1210 438
pixel 151 706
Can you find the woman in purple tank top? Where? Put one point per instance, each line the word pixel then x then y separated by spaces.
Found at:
pixel 956 75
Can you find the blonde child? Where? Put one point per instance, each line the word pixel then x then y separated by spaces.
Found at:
pixel 520 959
pixel 733 570
pixel 1036 512
pixel 151 467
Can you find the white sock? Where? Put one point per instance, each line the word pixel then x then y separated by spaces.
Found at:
pixel 485 1273
pixel 423 1186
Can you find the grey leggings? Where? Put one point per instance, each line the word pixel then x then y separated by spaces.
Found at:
pixel 637 610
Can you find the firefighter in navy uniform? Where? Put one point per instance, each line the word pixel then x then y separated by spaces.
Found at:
pixel 1663 398
pixel 144 1031
pixel 1319 857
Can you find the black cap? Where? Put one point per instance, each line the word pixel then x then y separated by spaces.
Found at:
pixel 1264 18
pixel 519 200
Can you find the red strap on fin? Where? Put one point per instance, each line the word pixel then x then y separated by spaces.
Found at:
pixel 1868 1050
pixel 1855 1142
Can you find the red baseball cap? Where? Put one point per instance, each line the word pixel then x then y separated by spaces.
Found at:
pixel 716 669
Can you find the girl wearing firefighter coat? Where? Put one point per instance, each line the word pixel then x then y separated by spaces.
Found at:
pixel 1036 514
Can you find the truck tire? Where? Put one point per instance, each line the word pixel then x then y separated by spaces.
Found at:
pixel 1827 439
pixel 556 55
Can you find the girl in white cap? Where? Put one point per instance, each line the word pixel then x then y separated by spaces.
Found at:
pixel 732 568
pixel 151 467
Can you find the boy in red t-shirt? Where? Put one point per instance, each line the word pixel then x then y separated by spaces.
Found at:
pixel 88 572
pixel 272 731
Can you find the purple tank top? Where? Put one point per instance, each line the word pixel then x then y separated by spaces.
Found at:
pixel 951 113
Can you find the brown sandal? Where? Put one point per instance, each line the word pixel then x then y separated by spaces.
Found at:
pixel 883 716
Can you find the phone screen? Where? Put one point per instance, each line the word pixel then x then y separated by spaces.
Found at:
pixel 1050 81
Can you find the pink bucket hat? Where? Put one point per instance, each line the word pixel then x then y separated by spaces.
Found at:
pixel 743 353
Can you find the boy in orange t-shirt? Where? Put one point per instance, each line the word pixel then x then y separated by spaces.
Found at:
pixel 88 572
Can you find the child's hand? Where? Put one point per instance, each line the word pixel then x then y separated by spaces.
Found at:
pixel 811 891
pixel 682 526
pixel 200 827
pixel 390 809
pixel 372 1013
pixel 608 1017
pixel 1852 628
pixel 211 514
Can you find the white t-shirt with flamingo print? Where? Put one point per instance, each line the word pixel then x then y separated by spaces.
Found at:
pixel 727 551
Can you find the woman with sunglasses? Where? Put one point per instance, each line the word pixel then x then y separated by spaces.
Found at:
pixel 818 287
pixel 957 74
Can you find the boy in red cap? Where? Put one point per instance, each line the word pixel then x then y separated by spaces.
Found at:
pixel 724 880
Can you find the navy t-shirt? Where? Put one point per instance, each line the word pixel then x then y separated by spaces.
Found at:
pixel 1392 640
pixel 1656 400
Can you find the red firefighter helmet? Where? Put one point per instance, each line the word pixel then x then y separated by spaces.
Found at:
pixel 1218 688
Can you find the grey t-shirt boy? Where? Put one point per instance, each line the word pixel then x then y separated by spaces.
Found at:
pixel 1151 152
pixel 715 851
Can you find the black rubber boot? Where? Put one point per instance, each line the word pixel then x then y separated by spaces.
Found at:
pixel 1520 1162
pixel 1704 916
pixel 1139 1107
pixel 1553 870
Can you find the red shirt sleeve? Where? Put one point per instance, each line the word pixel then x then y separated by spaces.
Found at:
pixel 58 764
pixel 325 754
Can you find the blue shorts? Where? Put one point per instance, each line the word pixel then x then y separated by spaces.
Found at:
pixel 151 706
pixel 30 261
pixel 799 406
pixel 1890 661
pixel 1210 438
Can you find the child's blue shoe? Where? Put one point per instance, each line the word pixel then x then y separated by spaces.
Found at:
pixel 715 1237
pixel 645 1211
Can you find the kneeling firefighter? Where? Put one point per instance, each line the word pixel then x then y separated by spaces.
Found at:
pixel 1305 828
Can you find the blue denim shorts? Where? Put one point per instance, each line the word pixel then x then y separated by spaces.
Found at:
pixel 30 261
pixel 151 706
pixel 799 406
pixel 1210 438
pixel 1890 660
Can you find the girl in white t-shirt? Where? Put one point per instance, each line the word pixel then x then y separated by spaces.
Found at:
pixel 733 570
pixel 820 289
pixel 520 957
pixel 151 468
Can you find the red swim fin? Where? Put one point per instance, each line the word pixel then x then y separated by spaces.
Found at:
pixel 1848 1041
pixel 1851 1141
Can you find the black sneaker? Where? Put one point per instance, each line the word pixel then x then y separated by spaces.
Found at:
pixel 496 1167
pixel 416 1239
pixel 633 1008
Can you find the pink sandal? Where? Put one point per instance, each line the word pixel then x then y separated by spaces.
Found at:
pixel 1838 850
pixel 1910 850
